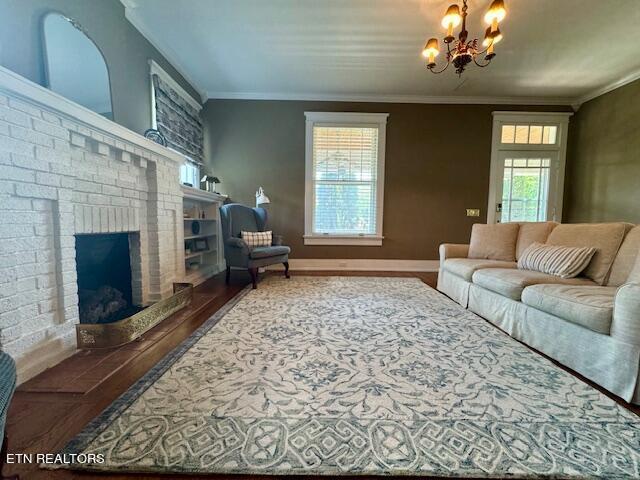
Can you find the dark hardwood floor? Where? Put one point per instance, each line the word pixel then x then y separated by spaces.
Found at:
pixel 50 409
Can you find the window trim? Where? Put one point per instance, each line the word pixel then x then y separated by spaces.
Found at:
pixel 155 69
pixel 559 119
pixel 346 119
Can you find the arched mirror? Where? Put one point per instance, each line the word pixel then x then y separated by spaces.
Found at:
pixel 74 66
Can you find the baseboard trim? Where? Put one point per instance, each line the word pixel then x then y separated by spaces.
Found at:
pixel 366 265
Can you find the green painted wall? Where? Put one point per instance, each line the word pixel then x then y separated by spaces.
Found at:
pixel 603 159
pixel 125 50
pixel 437 165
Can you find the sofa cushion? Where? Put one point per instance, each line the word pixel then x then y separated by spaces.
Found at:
pixel 532 232
pixel 511 282
pixel 588 306
pixel 565 262
pixel 626 258
pixel 606 237
pixel 494 241
pixel 264 252
pixel 464 267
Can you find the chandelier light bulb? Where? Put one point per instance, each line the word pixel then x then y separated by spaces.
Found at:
pixel 496 12
pixel 491 37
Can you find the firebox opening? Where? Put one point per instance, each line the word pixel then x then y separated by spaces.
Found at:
pixel 104 278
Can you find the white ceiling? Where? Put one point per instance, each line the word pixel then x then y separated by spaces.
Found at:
pixel 553 50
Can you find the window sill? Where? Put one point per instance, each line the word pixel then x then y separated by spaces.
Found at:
pixel 357 240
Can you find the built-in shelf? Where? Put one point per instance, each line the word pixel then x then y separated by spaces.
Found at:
pixel 202 235
pixel 187 256
pixel 195 204
pixel 202 196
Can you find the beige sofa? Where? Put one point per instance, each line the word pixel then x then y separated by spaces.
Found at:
pixel 591 323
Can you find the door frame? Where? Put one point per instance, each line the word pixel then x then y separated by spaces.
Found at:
pixel 500 118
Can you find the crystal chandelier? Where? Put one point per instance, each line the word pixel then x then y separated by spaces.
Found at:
pixel 464 51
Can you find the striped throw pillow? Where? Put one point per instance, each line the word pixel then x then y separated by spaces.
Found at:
pixel 563 262
pixel 257 239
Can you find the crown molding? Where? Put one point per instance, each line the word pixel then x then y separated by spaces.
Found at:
pixel 169 55
pixel 462 100
pixel 632 77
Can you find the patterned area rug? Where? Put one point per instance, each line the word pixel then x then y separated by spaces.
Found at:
pixel 353 375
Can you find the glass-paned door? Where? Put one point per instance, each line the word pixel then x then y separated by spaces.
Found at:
pixel 528 152
pixel 527 188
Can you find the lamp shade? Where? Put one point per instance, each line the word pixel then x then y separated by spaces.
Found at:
pixel 431 48
pixel 261 198
pixel 452 18
pixel 496 12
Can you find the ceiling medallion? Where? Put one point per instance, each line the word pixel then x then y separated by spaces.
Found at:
pixel 466 51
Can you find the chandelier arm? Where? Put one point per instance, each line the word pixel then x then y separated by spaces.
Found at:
pixel 480 64
pixel 485 50
pixel 448 52
pixel 448 62
pixel 442 70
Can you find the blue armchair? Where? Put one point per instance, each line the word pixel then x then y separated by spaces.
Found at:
pixel 236 218
pixel 7 387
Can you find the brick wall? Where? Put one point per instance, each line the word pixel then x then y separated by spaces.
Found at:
pixel 58 178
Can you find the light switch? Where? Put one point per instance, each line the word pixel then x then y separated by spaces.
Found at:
pixel 473 212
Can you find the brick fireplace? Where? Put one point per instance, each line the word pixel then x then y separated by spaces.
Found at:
pixel 67 172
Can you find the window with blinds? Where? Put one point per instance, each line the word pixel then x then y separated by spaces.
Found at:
pixel 176 115
pixel 177 119
pixel 344 182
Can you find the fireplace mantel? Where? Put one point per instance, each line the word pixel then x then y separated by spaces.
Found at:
pixel 67 171
pixel 21 88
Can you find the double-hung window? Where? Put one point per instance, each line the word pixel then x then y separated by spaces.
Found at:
pixel 344 187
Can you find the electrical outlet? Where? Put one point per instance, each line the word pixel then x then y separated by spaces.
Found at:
pixel 473 212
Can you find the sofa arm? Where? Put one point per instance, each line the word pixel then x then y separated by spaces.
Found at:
pixel 626 314
pixel 277 240
pixel 452 250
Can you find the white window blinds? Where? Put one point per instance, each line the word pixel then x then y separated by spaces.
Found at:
pixel 176 115
pixel 178 120
pixel 345 174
